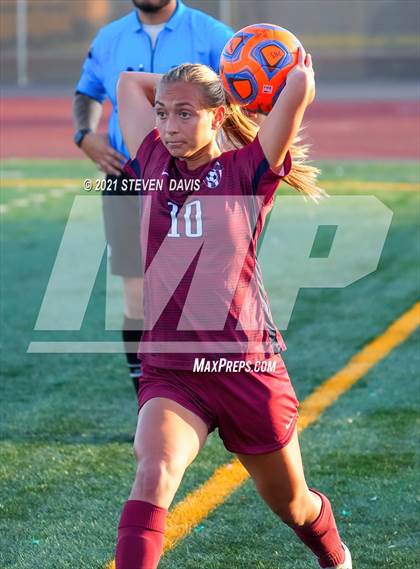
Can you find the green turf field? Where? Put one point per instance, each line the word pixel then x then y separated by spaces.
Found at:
pixel 66 423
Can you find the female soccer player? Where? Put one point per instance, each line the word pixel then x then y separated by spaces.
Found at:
pixel 204 196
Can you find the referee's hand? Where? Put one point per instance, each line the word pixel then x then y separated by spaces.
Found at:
pixel 98 149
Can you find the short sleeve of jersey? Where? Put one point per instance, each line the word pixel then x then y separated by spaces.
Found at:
pixel 91 81
pixel 254 172
pixel 150 153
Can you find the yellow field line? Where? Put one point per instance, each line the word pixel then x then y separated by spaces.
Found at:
pixel 227 478
pixel 325 395
pixel 39 182
pixel 368 185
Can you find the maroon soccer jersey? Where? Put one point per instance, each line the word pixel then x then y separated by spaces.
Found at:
pixel 203 288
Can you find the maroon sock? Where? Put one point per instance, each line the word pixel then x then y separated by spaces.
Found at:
pixel 140 535
pixel 321 536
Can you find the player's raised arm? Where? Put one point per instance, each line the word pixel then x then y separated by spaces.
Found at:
pixel 135 100
pixel 279 130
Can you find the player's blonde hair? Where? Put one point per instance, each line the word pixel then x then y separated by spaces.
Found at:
pixel 239 129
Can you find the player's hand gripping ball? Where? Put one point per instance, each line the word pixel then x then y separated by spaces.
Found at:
pixel 255 63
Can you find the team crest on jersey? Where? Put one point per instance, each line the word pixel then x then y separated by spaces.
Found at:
pixel 214 177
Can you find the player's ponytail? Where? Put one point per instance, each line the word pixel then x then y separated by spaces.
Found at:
pixel 303 177
pixel 239 129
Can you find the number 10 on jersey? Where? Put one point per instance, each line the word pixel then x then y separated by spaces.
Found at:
pixel 192 217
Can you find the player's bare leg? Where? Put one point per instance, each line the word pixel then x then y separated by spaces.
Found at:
pixel 133 297
pixel 133 324
pixel 168 438
pixel 280 481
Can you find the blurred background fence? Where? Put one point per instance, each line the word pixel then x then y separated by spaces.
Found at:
pixel 43 42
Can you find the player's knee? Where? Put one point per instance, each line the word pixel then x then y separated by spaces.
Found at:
pixel 155 475
pixel 133 309
pixel 133 294
pixel 293 512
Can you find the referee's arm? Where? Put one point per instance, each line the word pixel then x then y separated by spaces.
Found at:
pixel 86 116
pixel 87 110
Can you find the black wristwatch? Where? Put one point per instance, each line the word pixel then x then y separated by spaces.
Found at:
pixel 80 135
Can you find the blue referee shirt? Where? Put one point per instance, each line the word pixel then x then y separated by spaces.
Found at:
pixel 189 36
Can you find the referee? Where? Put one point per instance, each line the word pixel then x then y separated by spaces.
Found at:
pixel 155 36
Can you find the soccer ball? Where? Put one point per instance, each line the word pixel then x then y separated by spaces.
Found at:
pixel 255 63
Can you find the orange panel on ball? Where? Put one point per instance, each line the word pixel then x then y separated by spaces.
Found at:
pixel 255 63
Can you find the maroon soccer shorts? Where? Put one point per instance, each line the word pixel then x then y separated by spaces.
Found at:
pixel 255 411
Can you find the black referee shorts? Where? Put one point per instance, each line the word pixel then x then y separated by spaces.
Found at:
pixel 121 211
